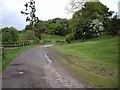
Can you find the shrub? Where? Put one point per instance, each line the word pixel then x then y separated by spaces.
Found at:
pixel 70 37
pixel 9 34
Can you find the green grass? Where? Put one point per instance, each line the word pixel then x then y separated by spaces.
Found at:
pixel 10 54
pixel 94 61
pixel 47 37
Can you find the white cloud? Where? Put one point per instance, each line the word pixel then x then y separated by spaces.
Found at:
pixel 51 8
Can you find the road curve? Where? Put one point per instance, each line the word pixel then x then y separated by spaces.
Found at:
pixel 36 69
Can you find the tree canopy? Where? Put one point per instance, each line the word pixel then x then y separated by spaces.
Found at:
pixel 90 21
pixel 9 34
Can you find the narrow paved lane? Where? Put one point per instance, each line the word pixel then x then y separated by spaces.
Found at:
pixel 35 69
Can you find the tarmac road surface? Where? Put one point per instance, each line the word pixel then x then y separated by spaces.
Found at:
pixel 36 69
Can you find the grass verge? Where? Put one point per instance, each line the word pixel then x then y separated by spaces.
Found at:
pixel 94 61
pixel 10 54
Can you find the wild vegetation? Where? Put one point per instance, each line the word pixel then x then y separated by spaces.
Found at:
pixel 9 34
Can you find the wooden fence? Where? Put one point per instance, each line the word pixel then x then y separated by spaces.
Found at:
pixel 22 44
pixel 14 45
pixel 17 44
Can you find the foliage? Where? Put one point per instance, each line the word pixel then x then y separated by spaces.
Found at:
pixel 57 26
pixel 69 37
pixel 64 23
pixel 52 38
pixel 75 5
pixel 54 28
pixel 114 25
pixel 90 21
pixel 31 17
pixel 40 27
pixel 27 35
pixel 30 35
pixel 9 34
pixel 28 27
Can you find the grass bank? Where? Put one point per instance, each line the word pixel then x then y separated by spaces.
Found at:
pixel 94 61
pixel 47 37
pixel 10 55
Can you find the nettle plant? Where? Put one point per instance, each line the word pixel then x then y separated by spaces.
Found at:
pixel 30 12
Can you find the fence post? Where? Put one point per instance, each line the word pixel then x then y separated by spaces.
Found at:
pixel 3 51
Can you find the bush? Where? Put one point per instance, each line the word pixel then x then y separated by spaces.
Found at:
pixel 27 35
pixel 9 34
pixel 70 37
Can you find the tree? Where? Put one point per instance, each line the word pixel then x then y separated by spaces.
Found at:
pixel 29 35
pixel 76 5
pixel 28 27
pixel 114 26
pixel 40 27
pixel 31 17
pixel 90 21
pixel 9 34
pixel 54 28
pixel 64 23
pixel 58 26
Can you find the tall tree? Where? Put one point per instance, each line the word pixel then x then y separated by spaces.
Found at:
pixel 75 5
pixel 30 15
pixel 91 20
pixel 40 27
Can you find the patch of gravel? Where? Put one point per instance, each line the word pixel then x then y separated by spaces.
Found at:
pixel 57 76
pixel 58 80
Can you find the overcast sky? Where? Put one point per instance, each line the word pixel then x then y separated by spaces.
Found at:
pixel 46 9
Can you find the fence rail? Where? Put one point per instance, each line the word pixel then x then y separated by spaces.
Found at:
pixel 14 45
pixel 1 52
pixel 18 44
pixel 22 44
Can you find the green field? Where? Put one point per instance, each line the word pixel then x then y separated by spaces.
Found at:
pixel 10 55
pixel 47 37
pixel 94 61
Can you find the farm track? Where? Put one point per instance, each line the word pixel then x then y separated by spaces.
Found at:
pixel 36 68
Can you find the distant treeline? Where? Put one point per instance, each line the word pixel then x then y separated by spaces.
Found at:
pixel 10 34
